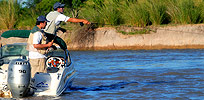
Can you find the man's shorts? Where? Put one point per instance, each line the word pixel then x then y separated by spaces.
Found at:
pixel 37 65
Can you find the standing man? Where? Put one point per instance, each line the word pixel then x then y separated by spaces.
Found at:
pixel 37 46
pixel 56 17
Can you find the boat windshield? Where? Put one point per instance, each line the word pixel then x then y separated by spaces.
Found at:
pixel 13 50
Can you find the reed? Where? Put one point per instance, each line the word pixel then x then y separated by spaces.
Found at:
pixel 92 12
pixel 201 6
pixel 8 13
pixel 135 13
pixel 106 12
pixel 156 10
pixel 128 12
pixel 145 12
pixel 113 12
pixel 184 11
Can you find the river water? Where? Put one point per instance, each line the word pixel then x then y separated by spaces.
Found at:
pixel 137 75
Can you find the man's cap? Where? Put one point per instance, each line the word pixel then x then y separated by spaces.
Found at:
pixel 42 18
pixel 58 5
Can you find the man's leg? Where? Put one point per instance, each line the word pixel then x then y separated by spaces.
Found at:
pixel 37 65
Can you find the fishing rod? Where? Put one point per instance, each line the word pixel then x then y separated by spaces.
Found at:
pixel 92 23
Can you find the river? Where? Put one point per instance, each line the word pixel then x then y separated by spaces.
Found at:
pixel 137 75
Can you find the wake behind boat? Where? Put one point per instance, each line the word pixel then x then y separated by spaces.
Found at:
pixel 15 71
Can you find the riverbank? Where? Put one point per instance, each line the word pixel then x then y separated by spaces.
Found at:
pixel 166 37
pixel 109 38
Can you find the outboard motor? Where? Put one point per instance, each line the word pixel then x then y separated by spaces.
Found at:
pixel 19 74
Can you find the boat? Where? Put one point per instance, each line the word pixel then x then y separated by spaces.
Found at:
pixel 15 72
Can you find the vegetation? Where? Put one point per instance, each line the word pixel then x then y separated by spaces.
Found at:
pixel 8 14
pixel 140 31
pixel 140 13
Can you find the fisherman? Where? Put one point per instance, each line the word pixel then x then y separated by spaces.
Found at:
pixel 56 17
pixel 37 46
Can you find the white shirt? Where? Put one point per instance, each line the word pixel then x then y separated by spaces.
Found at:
pixel 37 38
pixel 60 18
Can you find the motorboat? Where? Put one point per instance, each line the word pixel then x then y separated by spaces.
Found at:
pixel 15 72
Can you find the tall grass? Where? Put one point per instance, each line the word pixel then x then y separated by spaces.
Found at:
pixel 113 12
pixel 185 11
pixel 104 12
pixel 135 13
pixel 201 6
pixel 8 13
pixel 145 12
pixel 156 10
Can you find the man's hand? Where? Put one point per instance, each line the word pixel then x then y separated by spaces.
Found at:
pixel 86 22
pixel 38 46
pixel 50 43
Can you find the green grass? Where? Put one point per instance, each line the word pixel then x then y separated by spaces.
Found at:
pixel 135 13
pixel 103 13
pixel 129 30
pixel 142 31
pixel 140 13
pixel 185 11
pixel 156 10
pixel 8 13
pixel 145 12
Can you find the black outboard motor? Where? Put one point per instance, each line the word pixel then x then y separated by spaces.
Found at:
pixel 19 74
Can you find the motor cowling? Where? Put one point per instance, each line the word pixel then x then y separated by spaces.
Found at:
pixel 19 74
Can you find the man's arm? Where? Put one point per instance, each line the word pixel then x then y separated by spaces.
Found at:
pixel 39 46
pixel 75 20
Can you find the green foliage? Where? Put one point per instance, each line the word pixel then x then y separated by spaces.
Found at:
pixel 135 13
pixel 27 19
pixel 184 11
pixel 76 4
pixel 156 10
pixel 143 31
pixel 110 13
pixel 73 6
pixel 201 7
pixel 99 3
pixel 103 12
pixel 144 12
pixel 140 13
pixel 45 6
pixel 8 13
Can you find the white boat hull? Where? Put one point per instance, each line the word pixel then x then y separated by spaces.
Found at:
pixel 59 76
pixel 53 84
pixel 45 84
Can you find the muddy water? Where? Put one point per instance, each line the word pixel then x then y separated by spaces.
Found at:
pixel 137 75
